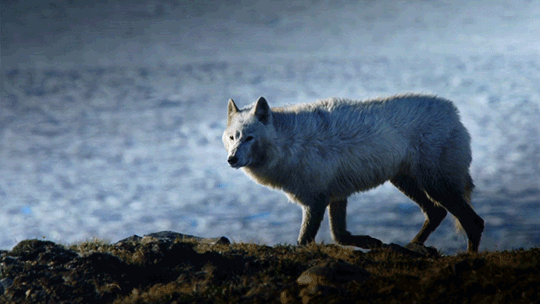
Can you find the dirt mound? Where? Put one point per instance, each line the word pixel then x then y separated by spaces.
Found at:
pixel 165 269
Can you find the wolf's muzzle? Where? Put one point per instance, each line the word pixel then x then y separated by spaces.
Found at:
pixel 232 160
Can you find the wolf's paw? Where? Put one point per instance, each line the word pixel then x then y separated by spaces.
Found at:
pixel 422 249
pixel 374 243
pixel 367 242
pixel 361 241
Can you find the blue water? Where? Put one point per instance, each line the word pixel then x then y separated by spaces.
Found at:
pixel 111 115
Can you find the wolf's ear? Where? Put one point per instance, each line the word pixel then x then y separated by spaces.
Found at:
pixel 231 110
pixel 262 110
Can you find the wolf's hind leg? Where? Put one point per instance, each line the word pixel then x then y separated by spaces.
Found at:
pixel 434 214
pixel 337 211
pixel 457 202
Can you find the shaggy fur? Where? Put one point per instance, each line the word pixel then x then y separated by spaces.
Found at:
pixel 320 153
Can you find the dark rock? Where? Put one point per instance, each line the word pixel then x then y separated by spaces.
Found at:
pixel 39 251
pixel 331 273
pixel 132 239
pixel 316 293
pixel 5 283
pixel 172 236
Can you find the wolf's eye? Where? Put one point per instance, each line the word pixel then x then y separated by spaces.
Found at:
pixel 249 138
pixel 231 137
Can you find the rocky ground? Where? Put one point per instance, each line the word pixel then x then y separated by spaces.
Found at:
pixel 168 267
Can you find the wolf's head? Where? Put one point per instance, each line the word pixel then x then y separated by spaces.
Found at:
pixel 247 135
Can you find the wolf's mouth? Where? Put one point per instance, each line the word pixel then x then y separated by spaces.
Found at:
pixel 238 164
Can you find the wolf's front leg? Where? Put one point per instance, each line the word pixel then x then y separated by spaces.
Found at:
pixel 337 211
pixel 311 221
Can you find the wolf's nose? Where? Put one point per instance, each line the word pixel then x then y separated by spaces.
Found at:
pixel 232 160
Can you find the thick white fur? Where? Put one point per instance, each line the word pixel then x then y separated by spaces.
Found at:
pixel 322 152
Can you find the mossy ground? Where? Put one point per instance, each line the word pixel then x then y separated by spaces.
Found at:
pixel 157 271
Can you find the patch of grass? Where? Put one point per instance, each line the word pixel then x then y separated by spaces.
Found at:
pixel 158 271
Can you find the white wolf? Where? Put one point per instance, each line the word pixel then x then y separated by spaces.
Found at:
pixel 320 153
